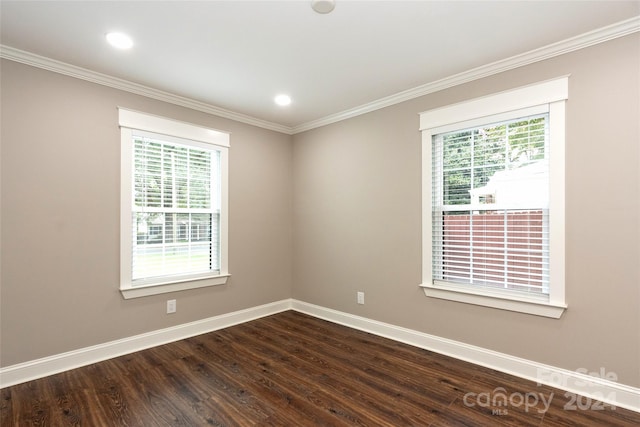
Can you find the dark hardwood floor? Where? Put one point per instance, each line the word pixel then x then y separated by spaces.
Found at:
pixel 292 370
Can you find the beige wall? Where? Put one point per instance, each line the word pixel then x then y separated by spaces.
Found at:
pixel 357 208
pixel 60 218
pixel 317 217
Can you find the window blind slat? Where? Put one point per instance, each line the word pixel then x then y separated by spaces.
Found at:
pixel 490 198
pixel 175 210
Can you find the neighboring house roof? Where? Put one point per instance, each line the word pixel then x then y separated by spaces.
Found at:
pixel 526 185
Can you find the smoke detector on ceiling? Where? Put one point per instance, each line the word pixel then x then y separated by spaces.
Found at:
pixel 323 6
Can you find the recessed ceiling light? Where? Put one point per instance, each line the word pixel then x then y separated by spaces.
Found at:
pixel 283 100
pixel 119 40
pixel 323 6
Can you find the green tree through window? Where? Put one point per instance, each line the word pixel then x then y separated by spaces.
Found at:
pixel 471 157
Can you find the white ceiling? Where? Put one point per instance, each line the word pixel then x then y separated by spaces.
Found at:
pixel 237 55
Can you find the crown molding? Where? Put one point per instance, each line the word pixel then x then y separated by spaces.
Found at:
pixel 582 41
pixel 49 64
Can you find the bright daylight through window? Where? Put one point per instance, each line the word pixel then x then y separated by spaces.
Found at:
pixel 493 200
pixel 173 207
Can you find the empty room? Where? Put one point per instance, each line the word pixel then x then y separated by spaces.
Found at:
pixel 301 213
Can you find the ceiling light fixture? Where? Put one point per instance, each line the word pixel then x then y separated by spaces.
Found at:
pixel 119 40
pixel 282 100
pixel 323 6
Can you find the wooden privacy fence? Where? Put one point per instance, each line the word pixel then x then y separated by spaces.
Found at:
pixel 501 248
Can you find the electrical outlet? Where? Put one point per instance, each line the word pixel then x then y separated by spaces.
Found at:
pixel 360 297
pixel 171 306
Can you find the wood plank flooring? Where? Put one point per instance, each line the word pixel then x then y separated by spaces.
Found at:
pixel 290 369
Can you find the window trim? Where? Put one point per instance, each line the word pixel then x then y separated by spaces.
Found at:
pixel 129 121
pixel 551 94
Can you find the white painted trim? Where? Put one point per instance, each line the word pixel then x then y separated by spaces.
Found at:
pixel 624 396
pixel 224 212
pixel 530 96
pixel 493 300
pixel 427 224
pixel 169 286
pixel 49 64
pixel 601 35
pixel 131 124
pixel 549 96
pixel 163 125
pixel 481 118
pixel 557 218
pixel 596 388
pixel 126 201
pixel 27 371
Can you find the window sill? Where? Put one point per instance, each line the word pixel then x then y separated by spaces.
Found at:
pixel 148 290
pixel 532 306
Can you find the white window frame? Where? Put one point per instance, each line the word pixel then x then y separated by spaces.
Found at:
pixel 131 121
pixel 549 96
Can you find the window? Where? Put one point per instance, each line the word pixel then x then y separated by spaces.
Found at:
pixel 173 205
pixel 493 200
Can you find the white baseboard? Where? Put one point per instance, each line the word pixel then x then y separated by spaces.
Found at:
pixel 592 387
pixel 27 371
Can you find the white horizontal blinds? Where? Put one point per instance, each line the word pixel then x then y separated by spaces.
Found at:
pixel 490 205
pixel 175 208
